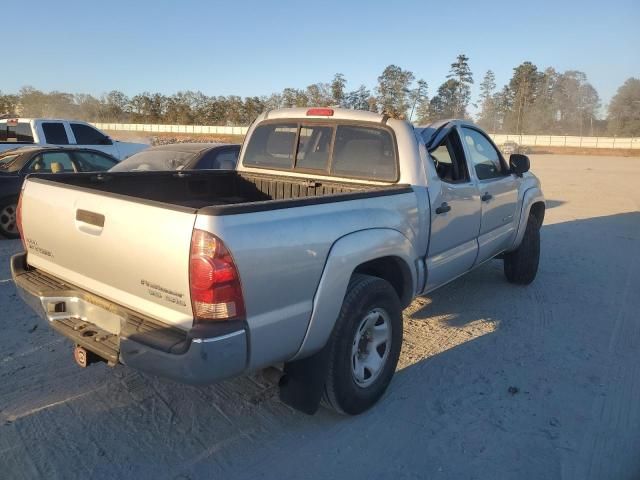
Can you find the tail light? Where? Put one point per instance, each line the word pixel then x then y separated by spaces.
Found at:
pixel 216 293
pixel 19 220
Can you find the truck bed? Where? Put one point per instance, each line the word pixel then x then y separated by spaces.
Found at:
pixel 220 192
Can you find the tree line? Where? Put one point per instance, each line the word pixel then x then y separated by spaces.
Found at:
pixel 534 101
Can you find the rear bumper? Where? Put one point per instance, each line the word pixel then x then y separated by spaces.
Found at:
pixel 205 354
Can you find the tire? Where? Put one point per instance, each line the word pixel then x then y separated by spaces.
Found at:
pixel 8 226
pixel 521 265
pixel 370 309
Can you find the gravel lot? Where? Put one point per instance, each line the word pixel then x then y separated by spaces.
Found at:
pixel 496 381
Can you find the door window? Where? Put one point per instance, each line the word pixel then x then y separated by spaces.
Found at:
pixel 94 162
pixel 449 160
pixel 55 133
pixel 86 135
pixel 52 162
pixel 484 157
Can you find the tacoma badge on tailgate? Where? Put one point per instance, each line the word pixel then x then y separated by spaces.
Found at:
pixel 158 291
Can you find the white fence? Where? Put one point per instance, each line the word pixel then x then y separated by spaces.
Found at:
pixel 150 128
pixel 568 141
pixel 528 140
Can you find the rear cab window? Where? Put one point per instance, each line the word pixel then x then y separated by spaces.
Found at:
pixel 18 132
pixel 336 149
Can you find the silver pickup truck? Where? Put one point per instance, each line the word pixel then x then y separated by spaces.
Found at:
pixel 303 258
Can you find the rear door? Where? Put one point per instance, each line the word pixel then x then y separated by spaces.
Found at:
pixel 498 193
pixel 133 253
pixel 455 214
pixel 54 133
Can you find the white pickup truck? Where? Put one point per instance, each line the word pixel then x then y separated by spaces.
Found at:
pixel 305 256
pixel 20 132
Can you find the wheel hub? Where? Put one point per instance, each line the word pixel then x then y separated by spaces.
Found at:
pixel 371 345
pixel 8 219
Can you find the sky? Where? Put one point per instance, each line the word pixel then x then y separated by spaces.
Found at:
pixel 257 48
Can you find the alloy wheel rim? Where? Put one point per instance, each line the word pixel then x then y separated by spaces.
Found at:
pixel 8 219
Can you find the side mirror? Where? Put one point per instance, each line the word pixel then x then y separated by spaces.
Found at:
pixel 106 141
pixel 519 163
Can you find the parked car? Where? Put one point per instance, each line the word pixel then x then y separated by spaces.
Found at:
pixel 182 156
pixel 18 132
pixel 305 255
pixel 16 164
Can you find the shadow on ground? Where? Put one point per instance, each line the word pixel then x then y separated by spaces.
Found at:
pixel 498 381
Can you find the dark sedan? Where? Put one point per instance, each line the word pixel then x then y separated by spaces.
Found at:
pixel 182 156
pixel 16 164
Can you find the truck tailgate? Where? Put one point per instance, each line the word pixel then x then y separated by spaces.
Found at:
pixel 131 252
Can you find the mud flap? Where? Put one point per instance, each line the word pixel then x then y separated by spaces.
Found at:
pixel 302 384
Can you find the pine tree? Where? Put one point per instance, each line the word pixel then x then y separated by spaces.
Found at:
pixel 446 102
pixel 523 87
pixel 461 72
pixel 487 118
pixel 420 102
pixel 393 90
pixel 358 99
pixel 337 89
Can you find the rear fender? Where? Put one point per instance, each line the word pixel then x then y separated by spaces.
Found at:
pixel 346 254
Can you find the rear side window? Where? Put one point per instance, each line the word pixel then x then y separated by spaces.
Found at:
pixel 86 135
pixel 21 132
pixel 55 133
pixel 342 150
pixel 272 146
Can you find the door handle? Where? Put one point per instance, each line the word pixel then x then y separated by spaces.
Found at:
pixel 486 197
pixel 444 208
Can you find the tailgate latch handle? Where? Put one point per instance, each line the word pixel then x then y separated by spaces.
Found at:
pixel 92 218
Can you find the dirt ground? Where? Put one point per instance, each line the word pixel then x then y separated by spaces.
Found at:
pixel 495 381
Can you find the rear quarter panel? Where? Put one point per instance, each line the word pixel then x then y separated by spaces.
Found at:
pixel 280 255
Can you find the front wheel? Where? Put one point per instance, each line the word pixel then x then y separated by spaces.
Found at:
pixel 365 346
pixel 8 225
pixel 521 265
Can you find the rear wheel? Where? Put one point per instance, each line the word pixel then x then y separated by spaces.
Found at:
pixel 521 265
pixel 365 346
pixel 8 225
